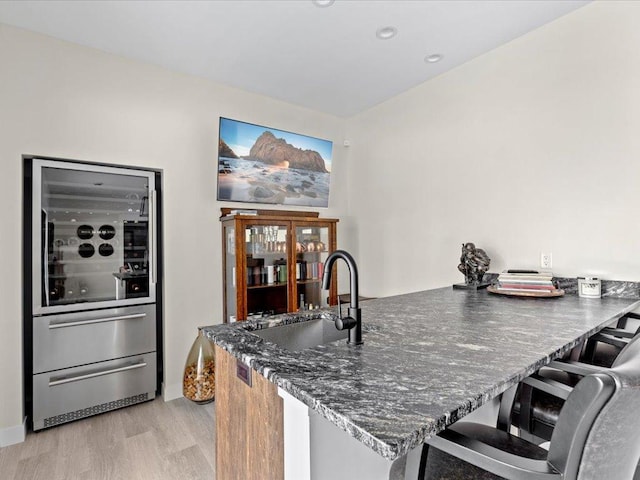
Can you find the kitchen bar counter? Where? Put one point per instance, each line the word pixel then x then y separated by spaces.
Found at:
pixel 428 359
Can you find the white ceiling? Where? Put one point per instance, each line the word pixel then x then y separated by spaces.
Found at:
pixel 327 59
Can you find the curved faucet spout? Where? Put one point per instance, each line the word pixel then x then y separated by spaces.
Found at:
pixel 353 321
pixel 353 273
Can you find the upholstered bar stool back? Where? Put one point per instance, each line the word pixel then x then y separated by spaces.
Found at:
pixel 597 436
pixel 536 412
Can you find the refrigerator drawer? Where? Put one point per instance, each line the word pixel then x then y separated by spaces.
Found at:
pixel 68 340
pixel 74 393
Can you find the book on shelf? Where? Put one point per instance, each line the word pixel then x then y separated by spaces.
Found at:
pixel 309 270
pixel 520 276
pixel 516 274
pixel 241 212
pixel 531 290
pixel 526 277
pixel 525 286
pixel 526 272
pixel 524 282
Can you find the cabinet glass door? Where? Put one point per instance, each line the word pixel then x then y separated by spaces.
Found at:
pixel 266 269
pixel 231 279
pixel 312 249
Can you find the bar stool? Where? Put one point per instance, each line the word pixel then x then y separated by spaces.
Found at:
pixel 535 412
pixel 594 437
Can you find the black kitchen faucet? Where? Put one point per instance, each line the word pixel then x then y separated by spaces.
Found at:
pixel 353 320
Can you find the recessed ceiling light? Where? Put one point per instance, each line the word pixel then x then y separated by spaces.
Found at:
pixel 385 33
pixel 323 3
pixel 436 57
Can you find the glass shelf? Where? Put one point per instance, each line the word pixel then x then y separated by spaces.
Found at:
pixel 274 285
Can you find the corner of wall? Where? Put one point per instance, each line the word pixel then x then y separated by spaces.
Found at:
pixel 171 392
pixel 13 435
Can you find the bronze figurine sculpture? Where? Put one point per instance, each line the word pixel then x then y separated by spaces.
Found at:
pixel 474 262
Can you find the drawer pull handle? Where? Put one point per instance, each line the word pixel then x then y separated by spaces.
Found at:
pixel 95 320
pixel 62 381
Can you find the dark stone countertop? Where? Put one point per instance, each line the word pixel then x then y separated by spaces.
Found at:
pixel 428 358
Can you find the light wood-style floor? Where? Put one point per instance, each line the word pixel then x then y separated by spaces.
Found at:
pixel 150 441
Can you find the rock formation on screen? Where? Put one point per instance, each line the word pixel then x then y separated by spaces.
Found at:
pixel 275 151
pixel 225 151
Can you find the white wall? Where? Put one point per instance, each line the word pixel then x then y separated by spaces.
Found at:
pixel 62 100
pixel 530 148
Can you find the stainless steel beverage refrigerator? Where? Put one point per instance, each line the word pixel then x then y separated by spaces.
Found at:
pixel 92 296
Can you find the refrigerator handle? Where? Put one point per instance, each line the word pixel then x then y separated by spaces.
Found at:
pixel 76 323
pixel 45 257
pixel 152 237
pixel 62 381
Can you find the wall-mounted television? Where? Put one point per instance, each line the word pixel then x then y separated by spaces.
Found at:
pixel 258 164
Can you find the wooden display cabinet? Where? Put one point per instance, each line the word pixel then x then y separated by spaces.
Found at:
pixel 273 262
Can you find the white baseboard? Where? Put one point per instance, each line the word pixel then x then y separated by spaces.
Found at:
pixel 13 435
pixel 171 392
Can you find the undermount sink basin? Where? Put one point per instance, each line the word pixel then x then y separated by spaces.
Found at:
pixel 302 335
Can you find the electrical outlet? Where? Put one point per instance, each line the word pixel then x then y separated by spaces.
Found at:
pixel 545 260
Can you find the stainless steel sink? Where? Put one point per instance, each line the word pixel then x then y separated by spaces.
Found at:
pixel 302 335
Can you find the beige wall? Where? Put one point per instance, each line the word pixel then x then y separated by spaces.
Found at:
pixel 67 101
pixel 533 147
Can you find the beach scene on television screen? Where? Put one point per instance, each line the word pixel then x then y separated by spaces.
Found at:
pixel 264 165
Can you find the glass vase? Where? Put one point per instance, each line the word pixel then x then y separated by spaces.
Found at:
pixel 198 383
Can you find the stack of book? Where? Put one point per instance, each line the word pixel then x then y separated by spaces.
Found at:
pixel 525 281
pixel 309 270
pixel 241 212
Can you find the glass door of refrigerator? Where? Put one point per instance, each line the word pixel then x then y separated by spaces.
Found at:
pixel 96 238
pixel 266 269
pixel 312 249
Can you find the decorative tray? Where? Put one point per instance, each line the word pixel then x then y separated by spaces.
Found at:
pixel 514 293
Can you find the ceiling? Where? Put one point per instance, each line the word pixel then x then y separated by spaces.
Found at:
pixel 324 58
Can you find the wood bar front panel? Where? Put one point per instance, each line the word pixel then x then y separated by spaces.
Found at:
pixel 249 425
